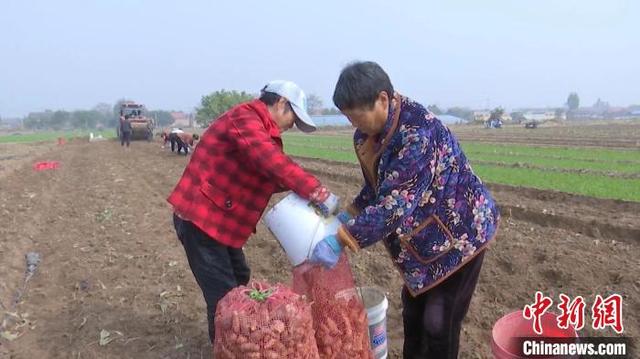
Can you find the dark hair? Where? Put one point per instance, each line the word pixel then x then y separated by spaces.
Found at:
pixel 269 98
pixel 195 136
pixel 359 85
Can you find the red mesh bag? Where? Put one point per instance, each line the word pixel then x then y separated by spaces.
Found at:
pixel 46 165
pixel 264 321
pixel 339 317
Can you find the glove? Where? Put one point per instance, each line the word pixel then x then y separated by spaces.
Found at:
pixel 327 252
pixel 344 217
pixel 324 201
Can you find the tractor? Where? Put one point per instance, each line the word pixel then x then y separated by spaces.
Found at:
pixel 141 124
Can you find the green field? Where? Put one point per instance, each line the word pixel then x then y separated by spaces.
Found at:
pixel 610 173
pixel 51 136
pixel 614 173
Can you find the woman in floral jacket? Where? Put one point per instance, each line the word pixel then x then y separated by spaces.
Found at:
pixel 422 199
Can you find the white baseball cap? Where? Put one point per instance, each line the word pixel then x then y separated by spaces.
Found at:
pixel 298 100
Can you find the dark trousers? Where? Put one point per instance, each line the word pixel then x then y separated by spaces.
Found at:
pixel 432 320
pixel 216 267
pixel 125 138
pixel 172 138
pixel 182 145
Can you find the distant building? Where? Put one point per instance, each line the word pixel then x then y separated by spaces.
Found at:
pixel 540 115
pixel 621 113
pixel 601 106
pixel 585 113
pixel 10 123
pixel 181 119
pixel 481 116
pixel 450 120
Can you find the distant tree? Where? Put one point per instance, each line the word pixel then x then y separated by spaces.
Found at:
pixel 115 114
pixel 217 103
pixel 602 106
pixel 573 101
pixel 330 111
pixel 314 104
pixel 497 113
pixel 84 119
pixel 103 108
pixel 38 120
pixel 103 112
pixel 60 120
pixel 517 116
pixel 461 112
pixel 559 114
pixel 30 122
pixel 163 118
pixel 434 109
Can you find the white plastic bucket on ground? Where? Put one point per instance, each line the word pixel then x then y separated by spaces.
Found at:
pixel 376 304
pixel 296 225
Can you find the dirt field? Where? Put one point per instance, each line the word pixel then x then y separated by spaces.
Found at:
pixel 621 134
pixel 110 259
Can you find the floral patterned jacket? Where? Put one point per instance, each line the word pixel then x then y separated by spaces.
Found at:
pixel 420 197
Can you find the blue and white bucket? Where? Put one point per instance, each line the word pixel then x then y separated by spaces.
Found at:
pixel 376 304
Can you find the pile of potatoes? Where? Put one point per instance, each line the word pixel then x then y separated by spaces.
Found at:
pixel 342 330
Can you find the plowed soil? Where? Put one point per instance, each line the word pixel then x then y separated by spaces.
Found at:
pixel 111 262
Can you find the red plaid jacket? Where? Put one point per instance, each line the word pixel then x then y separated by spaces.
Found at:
pixel 236 167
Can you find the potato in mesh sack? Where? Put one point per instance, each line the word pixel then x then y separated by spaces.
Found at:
pixel 339 316
pixel 264 321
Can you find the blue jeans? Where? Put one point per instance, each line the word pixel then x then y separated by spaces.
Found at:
pixel 216 267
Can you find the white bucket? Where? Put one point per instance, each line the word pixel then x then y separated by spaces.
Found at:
pixel 376 303
pixel 297 226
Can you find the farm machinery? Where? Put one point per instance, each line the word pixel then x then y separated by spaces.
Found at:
pixel 142 125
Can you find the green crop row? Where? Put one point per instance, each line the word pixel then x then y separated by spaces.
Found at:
pixel 51 136
pixel 551 163
pixel 627 162
pixel 584 184
pixel 575 153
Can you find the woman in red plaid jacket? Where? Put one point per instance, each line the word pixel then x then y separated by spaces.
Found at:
pixel 236 167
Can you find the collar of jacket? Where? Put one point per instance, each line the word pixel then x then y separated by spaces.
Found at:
pixel 392 120
pixel 370 150
pixel 263 113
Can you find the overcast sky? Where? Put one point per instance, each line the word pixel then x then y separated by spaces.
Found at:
pixel 74 54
